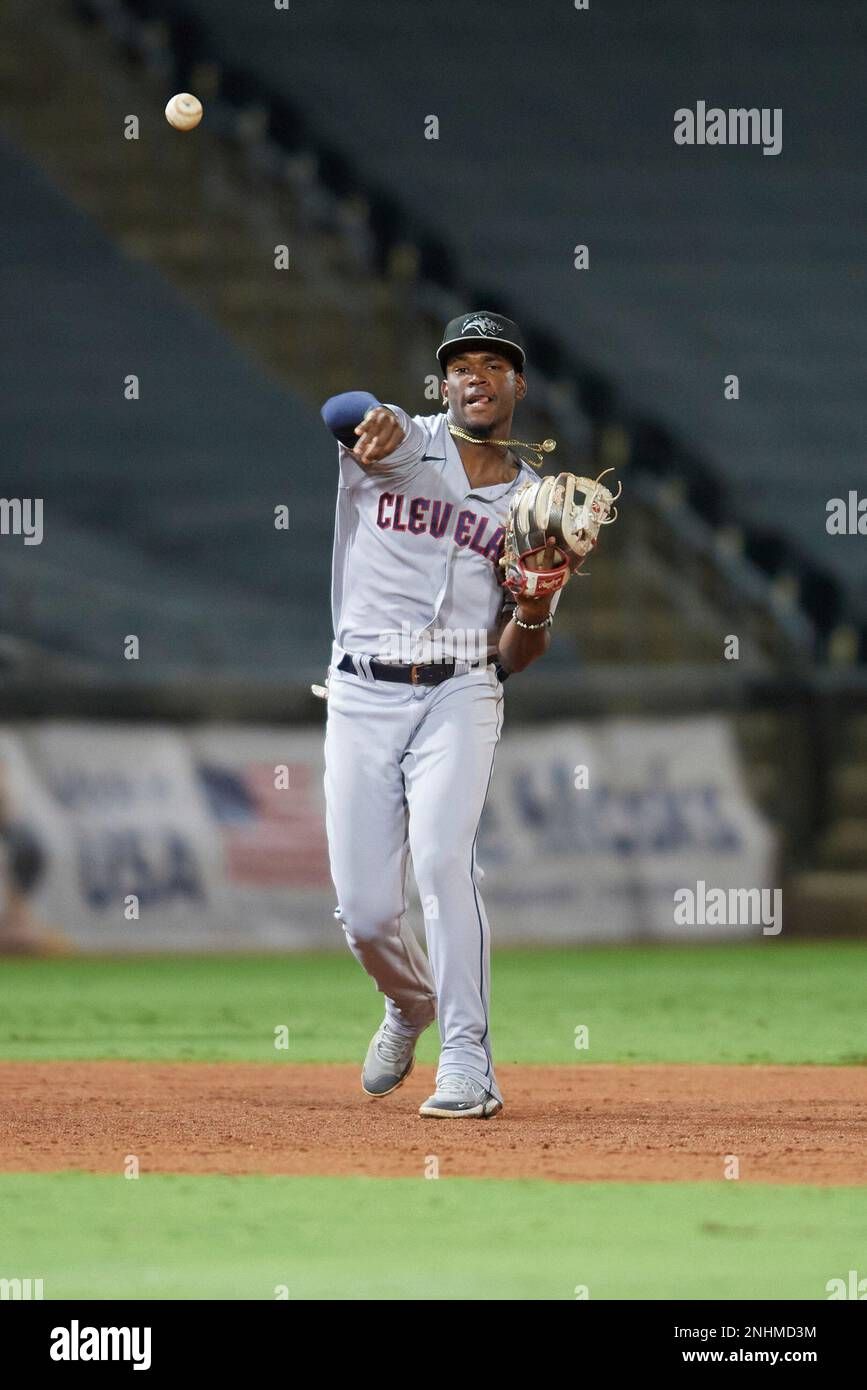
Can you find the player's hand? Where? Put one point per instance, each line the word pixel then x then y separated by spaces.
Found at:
pixel 379 434
pixel 533 610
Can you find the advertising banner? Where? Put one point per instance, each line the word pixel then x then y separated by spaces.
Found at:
pixel 139 838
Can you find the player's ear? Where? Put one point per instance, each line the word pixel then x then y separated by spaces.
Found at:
pixel 520 386
pixel 444 388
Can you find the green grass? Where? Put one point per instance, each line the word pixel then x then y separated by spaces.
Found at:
pixel 771 1001
pixel 362 1238
pixel 356 1238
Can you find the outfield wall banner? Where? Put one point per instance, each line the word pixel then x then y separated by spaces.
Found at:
pixel 148 837
pixel 267 807
pixel 131 858
pixel 590 829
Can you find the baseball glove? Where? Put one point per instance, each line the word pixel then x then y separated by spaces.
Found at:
pixel 552 526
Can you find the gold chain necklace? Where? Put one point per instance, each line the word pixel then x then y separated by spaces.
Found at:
pixel 547 446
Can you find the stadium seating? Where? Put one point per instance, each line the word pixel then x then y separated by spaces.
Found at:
pixel 704 262
pixel 159 512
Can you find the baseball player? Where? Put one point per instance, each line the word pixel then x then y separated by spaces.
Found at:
pixel 425 635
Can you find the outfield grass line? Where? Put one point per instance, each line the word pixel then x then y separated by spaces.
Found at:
pixel 9 1174
pixel 562 1065
pixel 797 1003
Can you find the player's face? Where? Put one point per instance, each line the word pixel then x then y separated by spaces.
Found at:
pixel 481 389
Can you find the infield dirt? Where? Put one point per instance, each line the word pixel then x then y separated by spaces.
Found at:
pixel 783 1124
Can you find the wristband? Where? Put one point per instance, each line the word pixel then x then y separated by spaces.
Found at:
pixel 547 621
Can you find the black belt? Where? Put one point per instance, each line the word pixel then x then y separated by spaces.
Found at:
pixel 416 673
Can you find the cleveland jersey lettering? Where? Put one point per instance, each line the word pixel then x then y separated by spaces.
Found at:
pixel 424 515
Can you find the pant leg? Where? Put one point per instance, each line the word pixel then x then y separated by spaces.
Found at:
pixel 366 820
pixel 447 771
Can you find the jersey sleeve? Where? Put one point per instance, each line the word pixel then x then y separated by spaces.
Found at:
pixel 401 463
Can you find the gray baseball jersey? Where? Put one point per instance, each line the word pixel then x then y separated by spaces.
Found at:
pixel 416 547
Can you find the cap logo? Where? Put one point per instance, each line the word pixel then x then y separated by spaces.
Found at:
pixel 488 328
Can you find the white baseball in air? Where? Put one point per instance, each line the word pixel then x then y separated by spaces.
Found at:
pixel 184 111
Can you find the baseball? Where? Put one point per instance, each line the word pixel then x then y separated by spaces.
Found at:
pixel 184 111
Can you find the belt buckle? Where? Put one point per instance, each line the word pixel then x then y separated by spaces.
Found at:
pixel 413 673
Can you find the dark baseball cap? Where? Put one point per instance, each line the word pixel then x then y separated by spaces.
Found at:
pixel 482 329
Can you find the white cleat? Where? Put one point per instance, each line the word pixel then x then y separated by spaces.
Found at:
pixel 389 1061
pixel 457 1097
